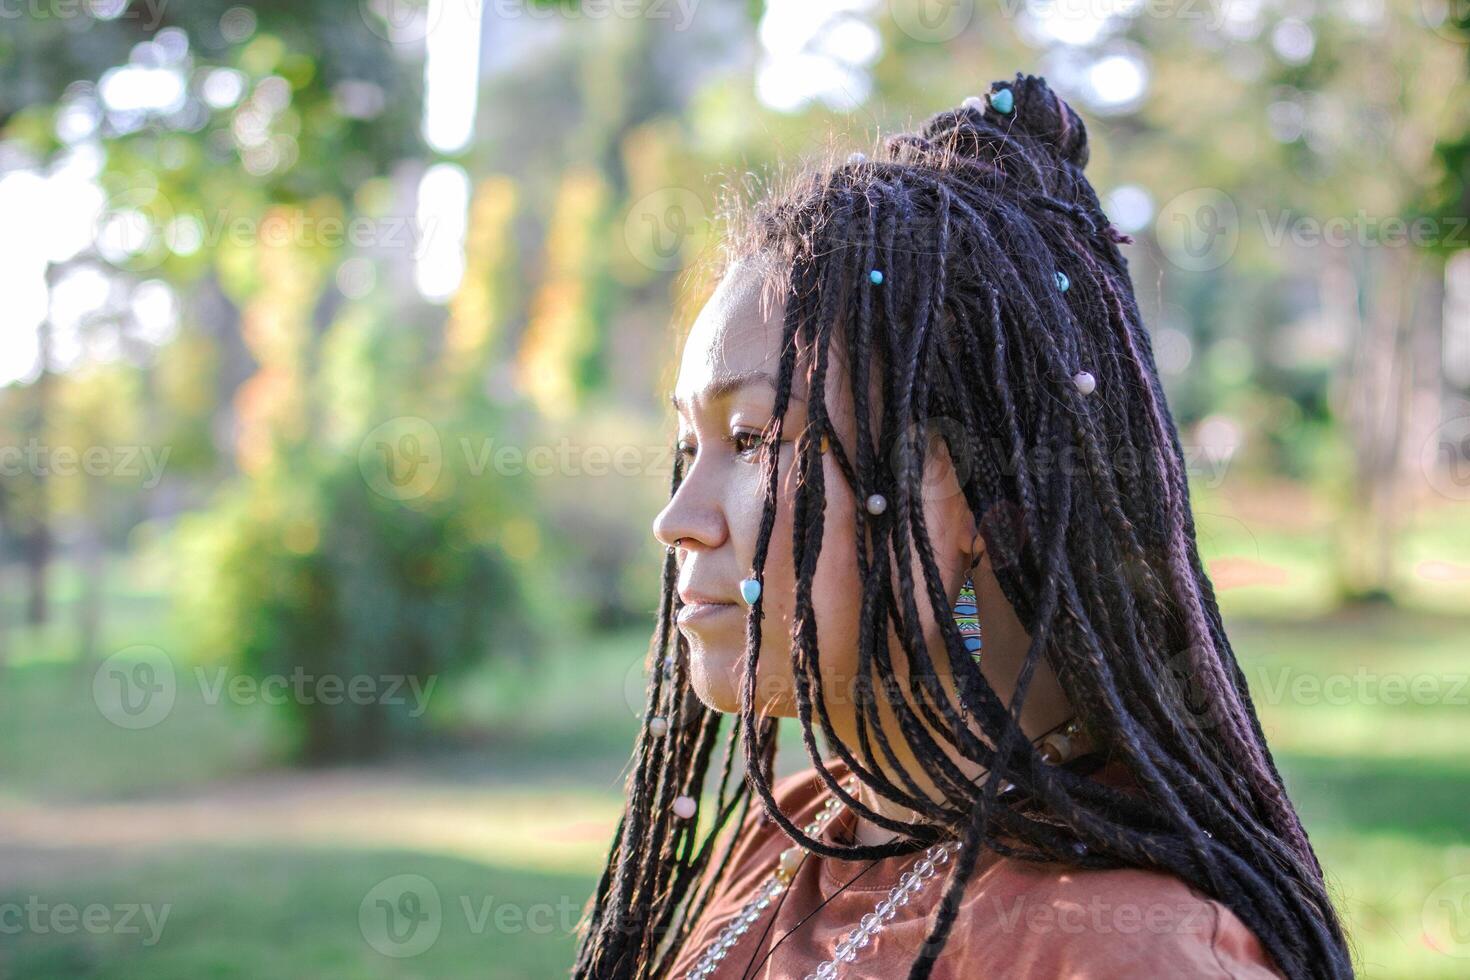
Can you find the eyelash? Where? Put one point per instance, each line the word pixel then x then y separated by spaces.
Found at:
pixel 686 450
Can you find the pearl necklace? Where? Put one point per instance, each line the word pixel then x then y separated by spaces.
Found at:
pixel 910 883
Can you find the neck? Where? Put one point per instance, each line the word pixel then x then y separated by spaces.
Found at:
pixel 1006 646
pixel 867 833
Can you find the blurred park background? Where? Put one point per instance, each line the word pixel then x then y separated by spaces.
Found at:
pixel 335 344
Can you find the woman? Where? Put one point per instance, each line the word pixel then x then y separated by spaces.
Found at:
pixel 929 499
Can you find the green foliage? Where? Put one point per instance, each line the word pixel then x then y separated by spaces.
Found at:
pixel 1448 199
pixel 311 573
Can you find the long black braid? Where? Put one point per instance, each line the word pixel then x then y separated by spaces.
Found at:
pixel 1082 499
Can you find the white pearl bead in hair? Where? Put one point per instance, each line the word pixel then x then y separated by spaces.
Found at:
pixel 1085 382
pixel 877 504
pixel 684 807
pixel 974 102
pixel 855 158
pixel 658 725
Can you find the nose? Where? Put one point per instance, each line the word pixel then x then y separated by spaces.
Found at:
pixel 690 518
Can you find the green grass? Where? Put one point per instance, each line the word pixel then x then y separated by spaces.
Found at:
pixel 510 827
pixel 521 812
pixel 1376 767
pixel 56 744
pixel 282 913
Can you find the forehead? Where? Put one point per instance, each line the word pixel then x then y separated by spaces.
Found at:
pixel 737 334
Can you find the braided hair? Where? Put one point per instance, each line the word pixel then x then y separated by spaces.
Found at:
pixel 1003 284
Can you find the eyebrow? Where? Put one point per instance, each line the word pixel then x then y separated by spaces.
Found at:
pixel 727 383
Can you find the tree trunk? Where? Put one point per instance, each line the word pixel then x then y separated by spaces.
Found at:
pixel 37 546
pixel 1379 395
pixel 92 571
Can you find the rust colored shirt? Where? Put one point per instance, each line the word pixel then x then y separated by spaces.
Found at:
pixel 1018 919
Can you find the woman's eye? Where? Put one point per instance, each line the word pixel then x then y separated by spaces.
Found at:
pixel 746 443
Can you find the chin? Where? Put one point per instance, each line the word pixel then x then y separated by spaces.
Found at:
pixel 717 673
pixel 715 677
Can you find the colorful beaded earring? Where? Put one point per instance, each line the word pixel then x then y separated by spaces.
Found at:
pixel 967 618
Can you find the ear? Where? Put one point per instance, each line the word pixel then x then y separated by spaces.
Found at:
pixel 976 546
pixel 952 526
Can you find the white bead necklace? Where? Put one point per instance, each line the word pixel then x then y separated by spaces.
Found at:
pixel 1055 747
pixel 910 883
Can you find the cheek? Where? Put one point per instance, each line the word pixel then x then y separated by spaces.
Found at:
pixel 835 587
pixel 835 584
pixel 837 595
pixel 778 576
pixel 743 510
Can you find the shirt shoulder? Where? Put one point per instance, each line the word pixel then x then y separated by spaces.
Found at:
pixel 1049 920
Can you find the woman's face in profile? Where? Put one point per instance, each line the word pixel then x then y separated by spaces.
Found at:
pixel 725 396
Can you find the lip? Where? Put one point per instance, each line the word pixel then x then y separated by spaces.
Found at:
pixel 692 612
pixel 691 596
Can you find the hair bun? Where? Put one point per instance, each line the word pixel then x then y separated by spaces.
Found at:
pixel 1035 115
pixel 1047 116
pixel 1042 114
